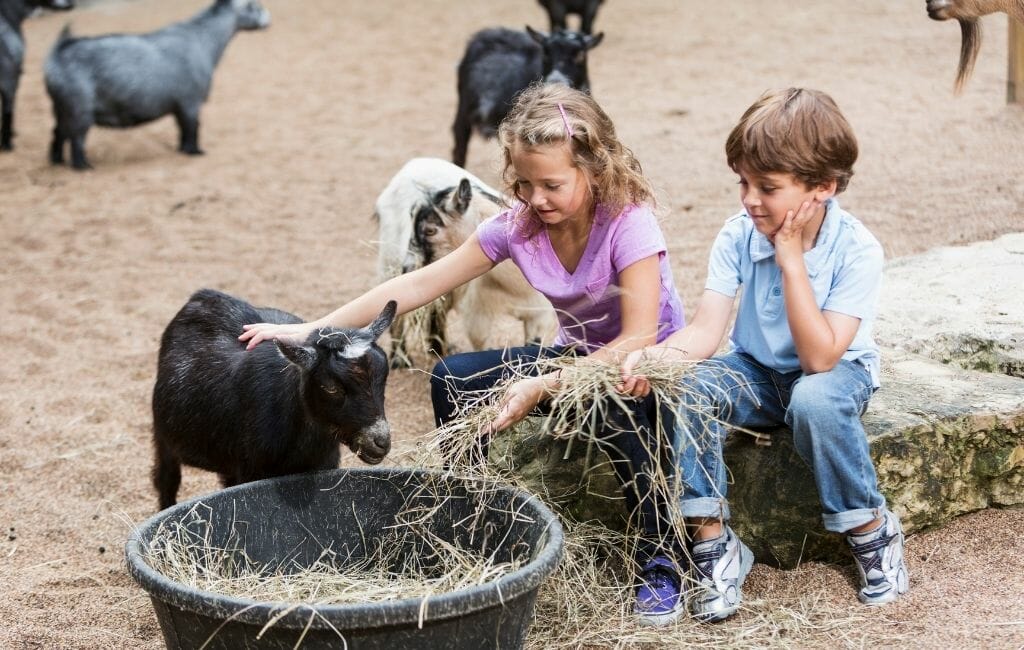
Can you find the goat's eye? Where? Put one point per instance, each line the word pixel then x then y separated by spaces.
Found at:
pixel 330 389
pixel 430 231
pixel 581 57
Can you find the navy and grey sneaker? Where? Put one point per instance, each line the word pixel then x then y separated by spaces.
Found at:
pixel 720 565
pixel 879 555
pixel 659 599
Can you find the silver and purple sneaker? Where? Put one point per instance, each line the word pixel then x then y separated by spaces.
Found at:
pixel 879 555
pixel 720 566
pixel 659 598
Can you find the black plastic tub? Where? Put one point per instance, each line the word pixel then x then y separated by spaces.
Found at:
pixel 294 517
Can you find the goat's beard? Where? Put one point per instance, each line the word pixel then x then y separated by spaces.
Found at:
pixel 970 43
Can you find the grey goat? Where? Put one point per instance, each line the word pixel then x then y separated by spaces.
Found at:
pixel 123 80
pixel 12 55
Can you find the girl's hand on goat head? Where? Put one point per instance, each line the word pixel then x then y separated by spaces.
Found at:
pixel 294 333
pixel 521 398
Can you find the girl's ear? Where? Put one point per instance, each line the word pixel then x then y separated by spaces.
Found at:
pixel 825 191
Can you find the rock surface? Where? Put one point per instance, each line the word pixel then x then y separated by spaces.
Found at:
pixel 946 438
pixel 958 304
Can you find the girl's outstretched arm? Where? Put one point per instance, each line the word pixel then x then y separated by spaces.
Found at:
pixel 410 290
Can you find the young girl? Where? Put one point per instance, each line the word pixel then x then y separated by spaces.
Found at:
pixel 583 233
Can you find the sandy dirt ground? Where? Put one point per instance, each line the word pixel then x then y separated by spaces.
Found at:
pixel 306 123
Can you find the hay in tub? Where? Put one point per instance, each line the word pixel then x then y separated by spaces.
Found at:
pixel 184 552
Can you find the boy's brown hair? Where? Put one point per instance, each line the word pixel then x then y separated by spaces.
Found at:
pixel 796 131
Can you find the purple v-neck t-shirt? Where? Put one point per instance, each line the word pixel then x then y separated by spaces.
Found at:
pixel 587 300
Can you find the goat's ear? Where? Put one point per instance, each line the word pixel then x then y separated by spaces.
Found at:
pixel 461 197
pixel 383 321
pixel 593 41
pixel 540 37
pixel 301 355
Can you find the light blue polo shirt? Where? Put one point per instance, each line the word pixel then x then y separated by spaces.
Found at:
pixel 845 269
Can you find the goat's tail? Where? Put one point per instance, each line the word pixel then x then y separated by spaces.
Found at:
pixel 970 43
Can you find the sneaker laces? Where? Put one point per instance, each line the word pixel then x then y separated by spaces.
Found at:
pixel 658 577
pixel 867 553
pixel 704 561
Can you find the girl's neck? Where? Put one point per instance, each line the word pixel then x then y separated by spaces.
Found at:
pixel 576 227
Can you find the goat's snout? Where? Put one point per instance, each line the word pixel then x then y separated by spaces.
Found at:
pixel 263 21
pixel 938 9
pixel 373 443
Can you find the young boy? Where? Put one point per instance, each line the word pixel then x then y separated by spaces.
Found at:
pixel 801 355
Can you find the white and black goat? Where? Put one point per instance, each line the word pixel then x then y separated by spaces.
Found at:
pixel 427 210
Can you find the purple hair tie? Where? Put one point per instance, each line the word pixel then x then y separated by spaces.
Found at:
pixel 565 119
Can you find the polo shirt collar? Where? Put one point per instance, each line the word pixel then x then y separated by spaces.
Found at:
pixel 761 248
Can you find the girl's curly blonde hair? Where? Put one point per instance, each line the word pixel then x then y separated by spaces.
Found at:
pixel 536 119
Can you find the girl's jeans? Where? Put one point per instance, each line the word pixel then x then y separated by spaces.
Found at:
pixel 627 437
pixel 823 410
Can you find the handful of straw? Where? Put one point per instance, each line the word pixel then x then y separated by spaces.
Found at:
pixel 586 390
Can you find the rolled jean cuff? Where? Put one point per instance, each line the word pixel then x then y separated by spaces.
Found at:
pixel 708 507
pixel 841 522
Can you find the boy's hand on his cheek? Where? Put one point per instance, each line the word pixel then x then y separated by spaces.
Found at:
pixel 789 238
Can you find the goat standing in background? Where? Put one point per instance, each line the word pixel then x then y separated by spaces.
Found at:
pixel 12 55
pixel 500 63
pixel 427 210
pixel 558 9
pixel 967 13
pixel 277 409
pixel 124 80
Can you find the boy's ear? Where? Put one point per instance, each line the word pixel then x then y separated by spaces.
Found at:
pixel 825 191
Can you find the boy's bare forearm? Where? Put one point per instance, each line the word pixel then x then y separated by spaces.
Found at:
pixel 691 343
pixel 812 335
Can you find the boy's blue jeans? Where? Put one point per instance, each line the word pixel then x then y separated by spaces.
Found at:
pixel 823 410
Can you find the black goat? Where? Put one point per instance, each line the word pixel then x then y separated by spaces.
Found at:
pixel 500 63
pixel 123 80
pixel 275 410
pixel 558 9
pixel 12 55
